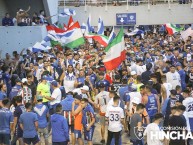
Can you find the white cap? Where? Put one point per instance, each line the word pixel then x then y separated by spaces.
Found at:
pixel 86 88
pixel 133 73
pixel 24 80
pixel 136 100
pixel 21 10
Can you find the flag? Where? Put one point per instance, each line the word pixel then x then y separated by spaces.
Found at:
pixel 136 31
pixel 115 52
pixel 67 12
pixel 171 29
pixel 186 33
pixel 100 30
pixel 70 22
pixel 83 28
pixel 90 29
pixel 111 36
pixel 39 47
pixel 55 29
pixel 102 39
pixel 73 26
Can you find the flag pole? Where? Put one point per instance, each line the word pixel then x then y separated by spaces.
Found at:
pixel 106 6
pixel 85 6
pixel 127 8
pixel 169 5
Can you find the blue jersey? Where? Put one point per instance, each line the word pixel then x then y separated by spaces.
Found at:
pixel 81 81
pixel 6 117
pixel 18 111
pixel 7 80
pixel 59 128
pixel 93 79
pixel 3 95
pixel 28 119
pixel 14 91
pixel 67 103
pixel 151 105
pixel 122 91
pixel 182 74
pixel 88 114
pixel 126 96
pixel 105 82
pixel 63 91
pixel 41 111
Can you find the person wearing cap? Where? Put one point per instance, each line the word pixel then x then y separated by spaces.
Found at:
pixel 173 77
pixel 16 89
pixel 151 102
pixel 182 74
pixel 102 81
pixel 43 114
pixel 43 89
pixel 77 113
pixel 133 77
pixel 60 133
pixel 188 103
pixel 82 91
pixel 67 112
pixel 167 105
pixel 25 92
pixel 56 95
pixel 101 101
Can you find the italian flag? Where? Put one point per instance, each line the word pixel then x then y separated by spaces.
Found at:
pixel 115 52
pixel 171 29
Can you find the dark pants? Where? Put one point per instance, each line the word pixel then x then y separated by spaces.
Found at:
pixel 116 135
pixel 60 143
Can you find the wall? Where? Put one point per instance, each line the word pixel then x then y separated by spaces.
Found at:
pixel 17 38
pixel 3 10
pixel 51 8
pixel 158 14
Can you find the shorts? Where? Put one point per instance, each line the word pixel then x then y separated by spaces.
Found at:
pixel 71 128
pixel 102 120
pixel 60 143
pixel 78 134
pixel 191 124
pixel 43 131
pixel 18 132
pixel 88 135
pixel 34 140
pixel 5 139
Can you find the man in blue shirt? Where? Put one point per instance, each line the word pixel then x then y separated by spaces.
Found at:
pixel 3 93
pixel 7 21
pixel 18 133
pixel 67 111
pixel 182 74
pixel 43 113
pixel 88 120
pixel 60 134
pixel 6 123
pixel 102 81
pixel 123 89
pixel 29 124
pixel 15 90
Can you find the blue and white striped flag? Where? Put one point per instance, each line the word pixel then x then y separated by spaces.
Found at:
pixel 111 36
pixel 67 12
pixel 90 29
pixel 100 30
pixel 39 47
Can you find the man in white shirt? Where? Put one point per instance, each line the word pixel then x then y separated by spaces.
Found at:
pixel 55 97
pixel 153 132
pixel 188 103
pixel 115 117
pixel 173 77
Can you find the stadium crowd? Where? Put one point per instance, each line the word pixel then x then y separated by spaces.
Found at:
pixel 64 93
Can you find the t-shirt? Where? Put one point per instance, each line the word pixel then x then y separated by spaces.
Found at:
pixel 114 114
pixel 153 128
pixel 6 117
pixel 41 111
pixel 44 90
pixel 57 95
pixel 2 95
pixel 133 124
pixel 18 111
pixel 28 120
pixel 180 124
pixel 88 114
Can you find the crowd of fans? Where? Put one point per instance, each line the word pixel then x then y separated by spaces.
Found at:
pixel 69 91
pixel 22 18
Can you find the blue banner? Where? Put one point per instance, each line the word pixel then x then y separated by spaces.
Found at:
pixel 126 18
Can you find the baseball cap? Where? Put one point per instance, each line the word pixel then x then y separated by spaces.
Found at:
pixel 133 73
pixel 24 80
pixel 54 83
pixel 79 97
pixel 18 80
pixel 39 98
pixel 44 77
pixel 178 64
pixel 86 88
